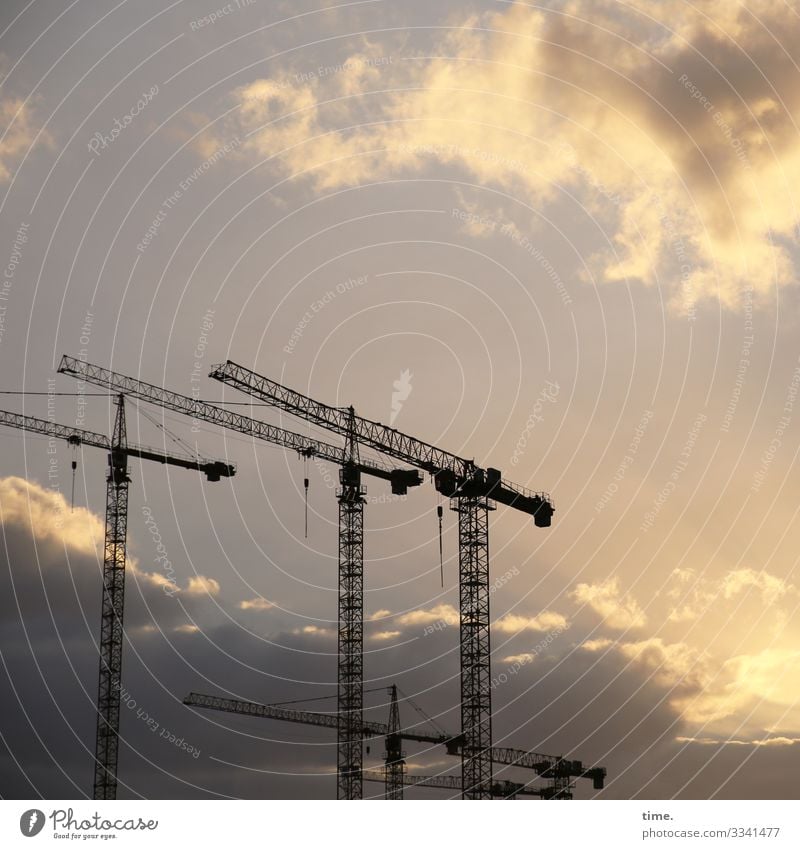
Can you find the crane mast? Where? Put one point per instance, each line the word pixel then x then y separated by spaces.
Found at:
pixel 395 769
pixel 112 612
pixel 475 648
pixel 350 643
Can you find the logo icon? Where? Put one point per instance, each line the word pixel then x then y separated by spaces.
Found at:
pixel 31 822
pixel 402 389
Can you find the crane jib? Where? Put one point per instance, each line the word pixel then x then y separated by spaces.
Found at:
pixel 454 476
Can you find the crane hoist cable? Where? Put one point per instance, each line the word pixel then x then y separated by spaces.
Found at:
pixel 320 698
pixel 422 713
pixel 74 467
pixel 53 394
pixel 182 443
pixel 305 491
pixel 439 513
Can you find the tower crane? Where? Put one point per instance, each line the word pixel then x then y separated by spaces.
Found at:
pixel 114 553
pixel 558 770
pixel 473 492
pixel 351 498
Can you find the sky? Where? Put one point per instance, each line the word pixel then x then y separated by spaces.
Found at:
pixel 558 238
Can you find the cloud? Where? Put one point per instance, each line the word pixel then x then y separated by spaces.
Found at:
pixel 618 611
pixel 548 620
pixel 511 624
pixel 440 613
pixel 199 585
pixel 47 516
pixel 770 586
pixel 385 635
pixel 767 741
pixel 707 690
pixel 767 679
pixel 521 659
pixel 680 669
pixel 651 117
pixel 18 134
pixel 695 595
pixel 597 645
pixel 314 631
pixel 257 603
pixel 674 665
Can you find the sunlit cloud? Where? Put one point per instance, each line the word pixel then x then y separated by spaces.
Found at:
pixel 257 603
pixel 47 515
pixel 313 630
pixel 200 585
pixel 385 635
pixel 778 742
pixel 18 134
pixel 695 595
pixel 522 659
pixel 690 166
pixel 440 613
pixel 548 620
pixel 707 690
pixel 617 609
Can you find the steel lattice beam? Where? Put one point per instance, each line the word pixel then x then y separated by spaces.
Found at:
pixel 203 411
pixel 304 717
pixel 395 768
pixel 453 474
pixel 546 766
pixel 500 789
pixel 351 636
pixel 213 469
pixel 476 693
pixel 111 618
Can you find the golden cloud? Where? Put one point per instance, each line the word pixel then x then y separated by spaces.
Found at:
pixel 521 659
pixel 18 135
pixel 548 620
pixel 695 595
pixel 674 665
pixel 257 603
pixel 47 515
pixel 200 585
pixel 618 610
pixel 656 122
pixel 385 635
pixel 706 690
pixel 440 613
pixel 779 742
